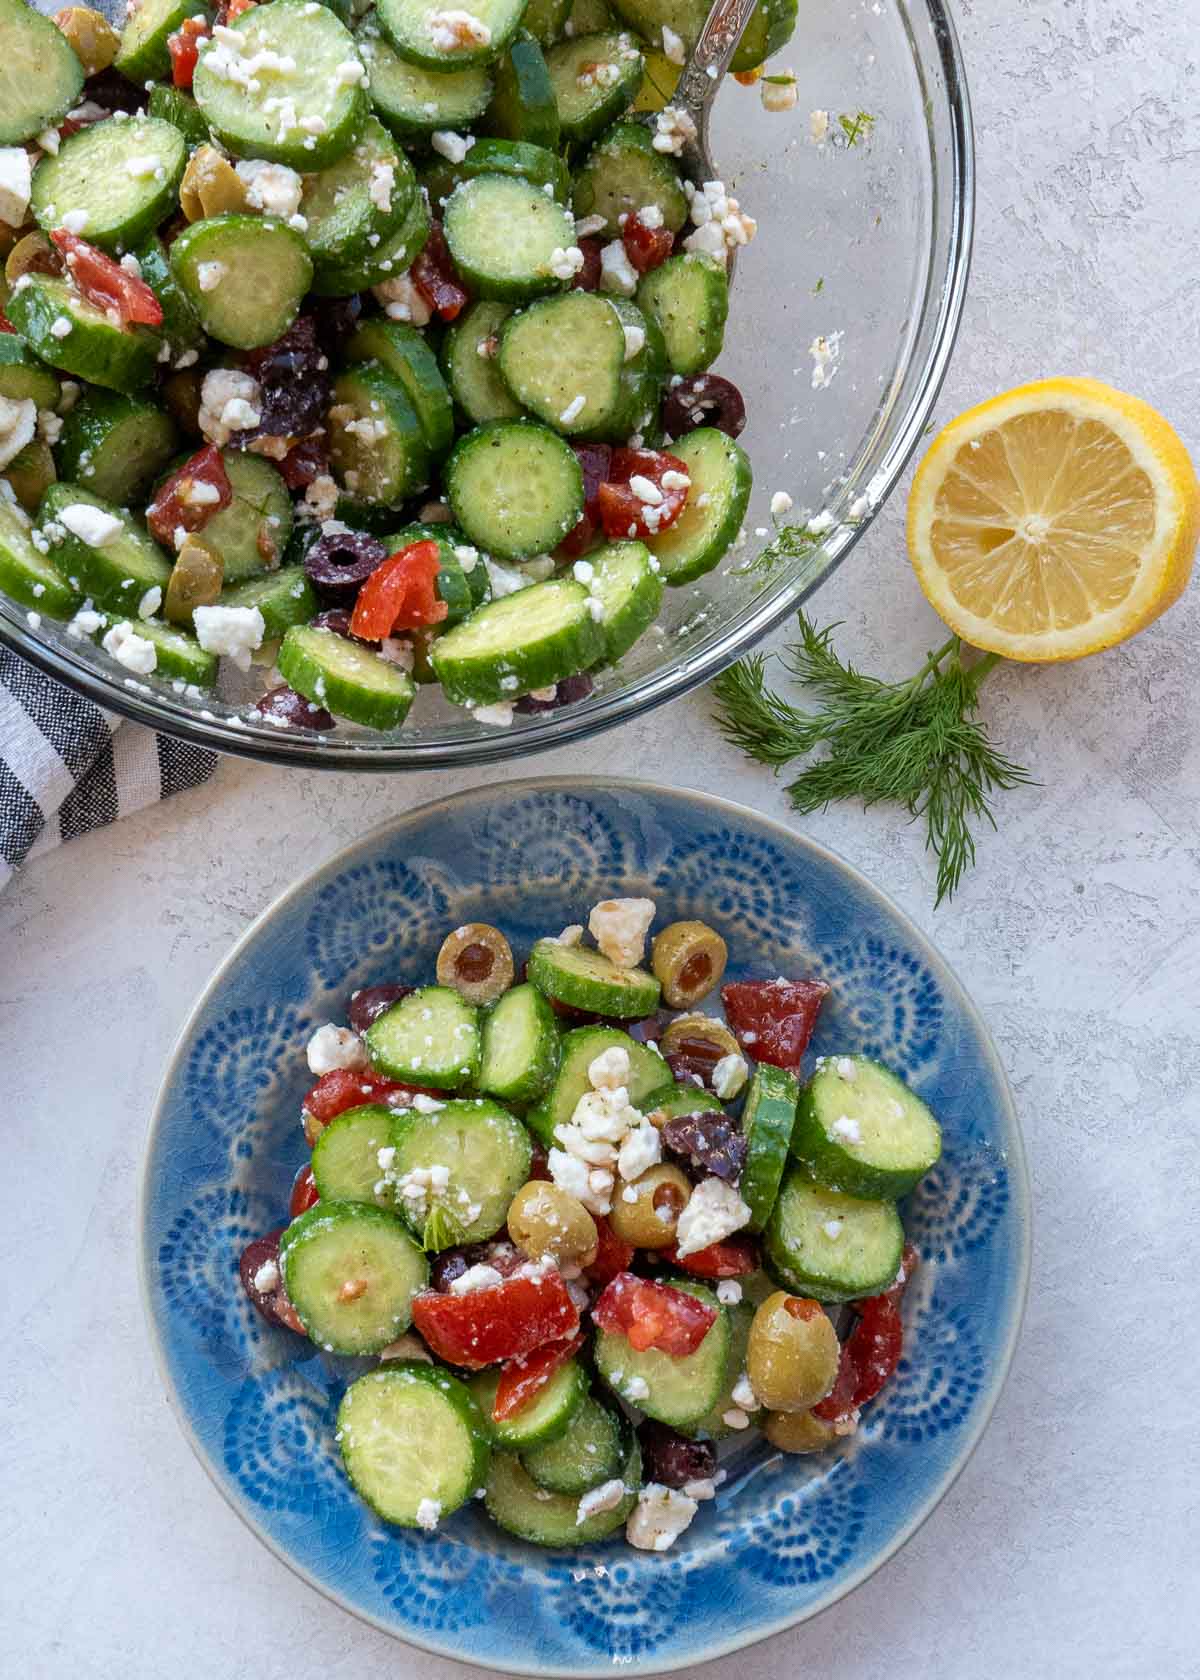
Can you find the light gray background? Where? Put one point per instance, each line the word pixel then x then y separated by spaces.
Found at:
pixel 1069 1546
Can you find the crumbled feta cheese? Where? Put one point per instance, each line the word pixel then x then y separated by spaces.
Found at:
pixel 75 221
pixel 674 129
pixel 455 28
pixel 428 1512
pixel 641 1150
pixel 566 262
pixel 729 1292
pixel 832 1229
pixel 742 1393
pixel 505 580
pixel 659 1517
pixel 18 426
pixel 86 622
pixel 645 489
pixel 402 300
pixel 407 1347
pixel 673 48
pixel 736 1418
pixel 351 72
pixel 781 502
pixel 453 147
pixel 586 226
pixel 779 92
pixel 570 935
pixel 334 1047
pixel 142 166
pixel 234 631
pixel 321 497
pixel 16 181
pixel 71 389
pixel 845 1069
pixel 619 927
pixel 571 1175
pixel 476 1277
pixel 713 1212
pixel 610 1069
pixel 209 275
pixel 846 1130
pixel 606 1497
pixel 135 652
pixel 382 183
pixel 498 715
pixel 34 620
pixel 573 410
pixel 583 571
pixel 617 273
pixel 61 326
pixel 818 127
pixel 150 602
pixel 637 1388
pixel 270 187
pixel 50 140
pixel 266 1278
pixel 824 351
pixel 729 1075
pixel 90 524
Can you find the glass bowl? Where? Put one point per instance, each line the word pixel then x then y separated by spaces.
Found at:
pixel 869 241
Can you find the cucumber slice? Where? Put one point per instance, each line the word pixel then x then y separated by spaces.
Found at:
pixel 453 585
pixel 124 176
pixel 829 1245
pixel 143 55
pixel 580 1048
pixel 590 17
pixel 688 296
pixel 357 202
pixel 23 378
pixel 283 598
pixel 28 575
pixel 115 575
pixel 641 378
pixel 516 489
pixel 431 1037
pixel 622 174
pixel 719 469
pixel 503 232
pixel 390 258
pixel 545 1418
pixel 349 680
pixel 516 158
pixel 243 275
pixel 414 102
pixel 345 1157
pixel 269 121
pixel 770 28
pixel 252 532
pixel 180 327
pixel 767 1121
pixel 30 474
pixel 91 347
pixel 376 442
pixel 516 1503
pixel 544 20
pixel 40 77
pixel 590 1450
pixel 673 1101
pixel 405 353
pixel 712 1426
pixel 472 374
pixel 340 1243
pixel 860 1129
pixel 517 643
pixel 485 1152
pixel 520 1047
pixel 414 29
pixel 587 979
pixel 681 1389
pixel 171 104
pixel 178 655
pixel 562 359
pixel 595 78
pixel 627 582
pixel 524 107
pixel 412 1441
pixel 116 444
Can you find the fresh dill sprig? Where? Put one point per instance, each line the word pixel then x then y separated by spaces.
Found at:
pixel 856 127
pixel 790 542
pixel 914 743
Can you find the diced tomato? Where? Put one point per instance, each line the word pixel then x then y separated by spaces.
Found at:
pixel 594 460
pixel 5 324
pixel 522 1380
pixel 184 48
pixel 400 594
pixel 588 278
pixel 345 1088
pixel 304 462
pixel 612 1255
pixel 623 513
pixel 653 1315
pixel 773 1020
pixel 105 283
pixel 646 247
pixel 436 277
pixel 505 1321
pixel 228 10
pixel 172 507
pixel 735 1257
pixel 871 1352
pixel 304 1192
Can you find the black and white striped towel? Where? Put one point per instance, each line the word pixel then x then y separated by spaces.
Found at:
pixel 67 766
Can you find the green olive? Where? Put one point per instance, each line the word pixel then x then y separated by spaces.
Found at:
pixel 31 254
pixel 544 1219
pixel 195 580
pixel 211 186
pixel 181 393
pixel 799 1432
pixel 689 959
pixel 31 473
pixel 477 962
pixel 793 1355
pixel 90 36
pixel 648 1217
pixel 706 1028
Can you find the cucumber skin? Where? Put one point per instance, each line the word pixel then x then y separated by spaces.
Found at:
pixel 783 1268
pixel 389 399
pixel 120 359
pixel 319 1217
pixel 554 1519
pixel 677 1100
pixel 302 670
pixel 402 120
pixel 342 279
pixel 546 1467
pixel 51 61
pixel 539 1071
pixel 156 206
pixel 171 104
pixel 386 1063
pixel 147 58
pixel 22 375
pixel 710 553
pixel 624 1003
pixel 510 1434
pixel 93 422
pixel 479 393
pixel 406 354
pixel 613 1354
pixel 179 654
pixel 838 1168
pixel 222 232
pixel 328 1189
pixel 638 612
pixel 58 599
pixel 593 115
pixel 483 281
pixel 391 17
pixel 548 537
pixel 284 598
pixel 767 1147
pixel 462 1401
pixel 523 106
pixel 97 578
pixel 605 156
pixel 499 157
pixel 665 290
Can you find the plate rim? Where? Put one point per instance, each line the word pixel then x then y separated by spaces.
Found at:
pixel 1017 1163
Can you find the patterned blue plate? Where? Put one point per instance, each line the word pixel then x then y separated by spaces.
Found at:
pixel 786 1536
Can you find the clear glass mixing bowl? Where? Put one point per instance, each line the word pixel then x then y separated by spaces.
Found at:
pixel 869 241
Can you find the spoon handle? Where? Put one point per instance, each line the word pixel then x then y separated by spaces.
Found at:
pixel 709 60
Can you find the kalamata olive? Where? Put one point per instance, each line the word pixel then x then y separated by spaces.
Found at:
pixel 295 386
pixel 114 92
pixel 451 1263
pixel 544 1219
pixel 339 563
pixel 693 1063
pixel 262 1279
pixel 708 1142
pixel 338 619
pixel 672 1459
pixel 370 1002
pixel 337 318
pixel 689 958
pixel 704 400
pixel 566 693
pixel 288 707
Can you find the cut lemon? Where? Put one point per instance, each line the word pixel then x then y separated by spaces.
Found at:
pixel 1055 520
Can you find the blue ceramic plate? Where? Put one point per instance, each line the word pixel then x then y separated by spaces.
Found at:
pixel 785 1536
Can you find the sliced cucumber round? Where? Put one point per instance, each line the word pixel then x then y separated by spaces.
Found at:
pixel 542 1419
pixel 516 489
pixel 860 1129
pixel 345 1157
pixel 535 164
pixel 624 174
pixel 503 233
pixel 628 584
pixel 357 202
pixel 580 1047
pixel 712 1425
pixel 349 680
pixel 376 441
pixel 115 444
pixel 516 1503
pixel 414 102
pixel 453 583
pixel 417 30
pixel 688 297
pixel 172 105
pixel 767 1121
pixel 829 1245
pixel 469 362
pixel 595 79
pixel 412 1441
pixel 250 534
pixel 243 275
pixel 520 1046
pixel 406 354
pixel 23 378
pixel 143 55
pixel 681 1389
pixel 562 359
pixel 431 1037
pixel 283 598
pixel 524 107
pixel 118 572
pixel 544 19
pixel 28 575
pixel 79 339
pixel 721 479
pixel 178 655
pixel 40 77
pixel 351 1272
pixel 517 643
pixel 676 1099
pixel 123 176
pixel 485 1153
pixel 180 324
pixel 771 27
pixel 589 1451
pixel 587 979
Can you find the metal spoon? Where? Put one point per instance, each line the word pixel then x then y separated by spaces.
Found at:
pixel 701 77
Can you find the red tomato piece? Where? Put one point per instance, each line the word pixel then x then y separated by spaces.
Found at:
pixel 646 247
pixel 653 1315
pixel 5 324
pixel 773 1020
pixel 735 1257
pixel 588 278
pixel 871 1352
pixel 106 284
pixel 522 1380
pixel 594 460
pixel 612 1255
pixel 503 1322
pixel 304 1192
pixel 345 1088
pixel 184 48
pixel 436 277
pixel 400 594
pixel 173 507
pixel 624 513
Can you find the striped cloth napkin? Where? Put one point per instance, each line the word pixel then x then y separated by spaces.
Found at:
pixel 67 766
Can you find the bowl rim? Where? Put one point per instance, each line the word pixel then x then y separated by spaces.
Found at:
pixel 1018 1167
pixel 552 729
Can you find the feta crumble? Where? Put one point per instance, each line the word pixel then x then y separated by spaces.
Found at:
pixel 476 1277
pixel 619 927
pixel 453 147
pixel 713 1212
pixel 455 29
pixel 333 1047
pixel 90 524
pixel 129 649
pixel 617 273
pixel 673 48
pixel 428 1512
pixel 606 1497
pixel 658 1519
pixel 674 129
pixel 233 631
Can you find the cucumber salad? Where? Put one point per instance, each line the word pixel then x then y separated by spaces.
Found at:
pixel 586 1230
pixel 368 347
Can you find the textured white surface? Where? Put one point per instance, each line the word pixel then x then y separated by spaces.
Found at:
pixel 1070 1544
